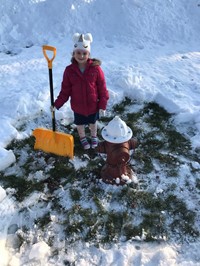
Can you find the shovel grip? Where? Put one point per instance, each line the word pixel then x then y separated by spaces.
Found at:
pixel 49 60
pixel 50 65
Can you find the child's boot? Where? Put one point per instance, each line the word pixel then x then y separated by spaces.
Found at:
pixel 94 142
pixel 94 139
pixel 85 143
pixel 83 140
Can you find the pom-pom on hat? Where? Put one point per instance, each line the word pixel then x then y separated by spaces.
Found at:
pixel 82 41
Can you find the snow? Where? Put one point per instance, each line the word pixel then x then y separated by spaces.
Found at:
pixel 7 212
pixel 150 52
pixel 39 251
pixel 2 194
pixel 7 158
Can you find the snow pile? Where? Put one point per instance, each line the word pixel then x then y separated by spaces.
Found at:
pixel 27 23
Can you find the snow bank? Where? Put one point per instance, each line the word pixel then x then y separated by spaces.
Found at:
pixel 21 23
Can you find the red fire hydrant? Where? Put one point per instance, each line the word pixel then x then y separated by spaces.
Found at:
pixel 118 142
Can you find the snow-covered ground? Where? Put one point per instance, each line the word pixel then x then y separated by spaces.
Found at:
pixel 150 52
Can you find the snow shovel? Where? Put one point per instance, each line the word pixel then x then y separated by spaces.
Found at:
pixel 47 140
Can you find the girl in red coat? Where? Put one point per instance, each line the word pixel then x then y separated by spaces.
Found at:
pixel 84 83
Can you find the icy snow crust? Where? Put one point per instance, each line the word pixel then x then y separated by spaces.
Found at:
pixel 150 52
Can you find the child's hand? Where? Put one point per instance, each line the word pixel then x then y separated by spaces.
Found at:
pixel 102 112
pixel 52 108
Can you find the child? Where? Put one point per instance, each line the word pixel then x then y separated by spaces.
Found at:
pixel 84 82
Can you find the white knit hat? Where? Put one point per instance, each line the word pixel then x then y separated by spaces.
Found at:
pixel 82 41
pixel 117 131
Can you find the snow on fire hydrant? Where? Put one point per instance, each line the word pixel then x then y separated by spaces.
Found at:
pixel 118 142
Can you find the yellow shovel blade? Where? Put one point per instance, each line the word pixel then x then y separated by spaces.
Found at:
pixel 54 142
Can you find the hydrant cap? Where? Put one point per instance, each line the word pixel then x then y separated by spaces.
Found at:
pixel 116 131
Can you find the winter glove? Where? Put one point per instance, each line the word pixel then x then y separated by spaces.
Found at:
pixel 102 112
pixel 52 108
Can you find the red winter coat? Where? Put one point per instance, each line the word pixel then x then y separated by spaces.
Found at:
pixel 87 90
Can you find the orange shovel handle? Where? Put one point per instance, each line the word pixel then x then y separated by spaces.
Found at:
pixel 49 60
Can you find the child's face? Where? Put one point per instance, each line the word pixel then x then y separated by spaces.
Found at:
pixel 81 56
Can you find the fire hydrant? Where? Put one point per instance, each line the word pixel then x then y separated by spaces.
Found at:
pixel 118 142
